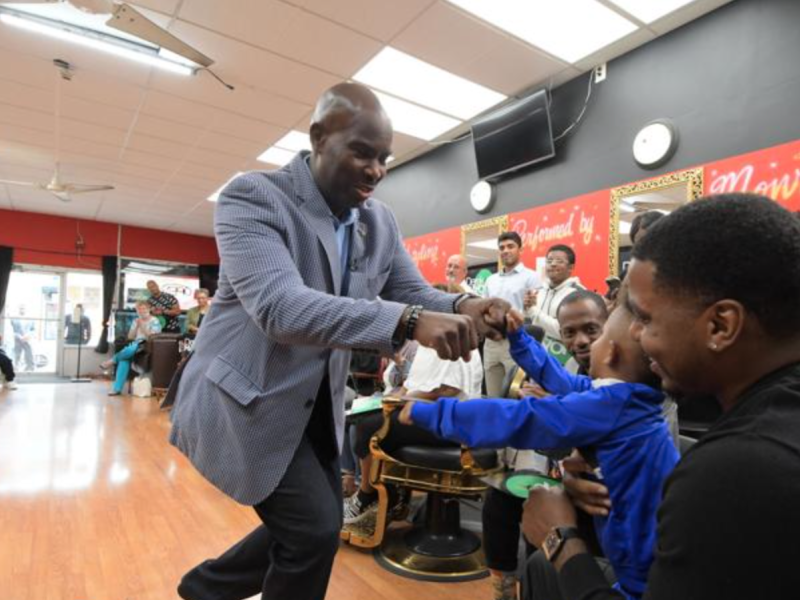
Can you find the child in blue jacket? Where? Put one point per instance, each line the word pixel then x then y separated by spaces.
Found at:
pixel 614 417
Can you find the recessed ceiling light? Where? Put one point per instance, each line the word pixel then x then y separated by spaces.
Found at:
pixel 276 156
pixel 625 227
pixel 407 77
pixel 650 10
pixel 414 120
pixel 215 196
pixel 568 29
pixel 294 141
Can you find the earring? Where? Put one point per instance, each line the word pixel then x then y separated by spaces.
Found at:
pixel 713 346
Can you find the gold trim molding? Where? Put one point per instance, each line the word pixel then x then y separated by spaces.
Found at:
pixel 693 178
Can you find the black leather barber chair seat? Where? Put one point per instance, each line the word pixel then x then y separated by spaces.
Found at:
pixel 439 549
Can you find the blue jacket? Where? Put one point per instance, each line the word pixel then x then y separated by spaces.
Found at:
pixel 622 425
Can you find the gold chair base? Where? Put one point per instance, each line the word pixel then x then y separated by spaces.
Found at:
pixel 394 555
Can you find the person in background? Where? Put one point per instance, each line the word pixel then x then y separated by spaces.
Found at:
pixel 77 327
pixel 195 315
pixel 642 222
pixel 164 305
pixel 542 306
pixel 141 329
pixel 455 273
pixel 7 368
pixel 23 332
pixel 511 284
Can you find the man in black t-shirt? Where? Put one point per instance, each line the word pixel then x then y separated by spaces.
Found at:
pixel 164 305
pixel 715 288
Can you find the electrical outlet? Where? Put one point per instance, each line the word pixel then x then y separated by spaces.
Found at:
pixel 600 72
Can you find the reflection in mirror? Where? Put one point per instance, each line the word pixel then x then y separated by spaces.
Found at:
pixel 479 247
pixel 663 194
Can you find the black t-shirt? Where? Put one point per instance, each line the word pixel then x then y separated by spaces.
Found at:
pixel 166 302
pixel 729 524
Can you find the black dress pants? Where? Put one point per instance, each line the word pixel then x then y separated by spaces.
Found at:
pixel 501 516
pixel 290 555
pixel 6 366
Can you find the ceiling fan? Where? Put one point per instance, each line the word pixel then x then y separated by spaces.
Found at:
pixel 124 17
pixel 60 189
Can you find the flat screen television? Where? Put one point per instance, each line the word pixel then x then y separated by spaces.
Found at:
pixel 513 137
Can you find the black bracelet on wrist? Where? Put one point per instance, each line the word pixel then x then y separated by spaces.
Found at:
pixel 411 324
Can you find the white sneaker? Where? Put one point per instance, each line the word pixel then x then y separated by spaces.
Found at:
pixel 11 385
pixel 355 512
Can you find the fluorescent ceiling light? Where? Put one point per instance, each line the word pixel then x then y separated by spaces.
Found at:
pixel 407 77
pixel 568 29
pixel 294 141
pixel 276 156
pixel 215 196
pixel 650 10
pixel 93 40
pixel 625 207
pixel 414 120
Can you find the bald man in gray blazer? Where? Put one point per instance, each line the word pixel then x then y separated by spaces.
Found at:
pixel 306 252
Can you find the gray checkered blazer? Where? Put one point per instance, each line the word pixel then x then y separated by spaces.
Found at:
pixel 277 323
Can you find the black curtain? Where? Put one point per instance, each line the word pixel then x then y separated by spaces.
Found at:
pixel 109 282
pixel 6 260
pixel 209 277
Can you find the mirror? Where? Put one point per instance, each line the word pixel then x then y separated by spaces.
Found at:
pixel 479 246
pixel 663 194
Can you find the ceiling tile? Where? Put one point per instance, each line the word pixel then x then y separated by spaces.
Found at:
pixel 85 130
pixel 474 50
pixel 232 145
pixel 246 66
pixel 23 117
pixel 245 101
pixel 245 128
pixel 157 146
pixel 201 156
pixel 93 112
pixel 25 135
pixel 13 93
pixel 166 129
pixel 382 19
pixel 177 109
pixel 160 165
pixel 30 70
pixel 287 30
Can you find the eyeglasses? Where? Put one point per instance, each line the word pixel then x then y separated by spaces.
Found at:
pixel 556 261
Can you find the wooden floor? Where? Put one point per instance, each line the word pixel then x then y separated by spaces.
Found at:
pixel 96 505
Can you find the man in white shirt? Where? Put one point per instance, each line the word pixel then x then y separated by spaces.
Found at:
pixel 511 284
pixel 456 274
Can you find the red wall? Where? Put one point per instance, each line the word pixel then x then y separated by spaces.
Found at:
pixel 50 240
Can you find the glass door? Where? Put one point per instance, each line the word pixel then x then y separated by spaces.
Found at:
pixel 33 324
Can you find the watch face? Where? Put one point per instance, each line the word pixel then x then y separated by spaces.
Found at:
pixel 551 544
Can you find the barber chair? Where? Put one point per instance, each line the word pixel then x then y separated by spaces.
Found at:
pixel 439 549
pixel 165 356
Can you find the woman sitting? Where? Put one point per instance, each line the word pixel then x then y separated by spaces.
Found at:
pixel 195 315
pixel 142 328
